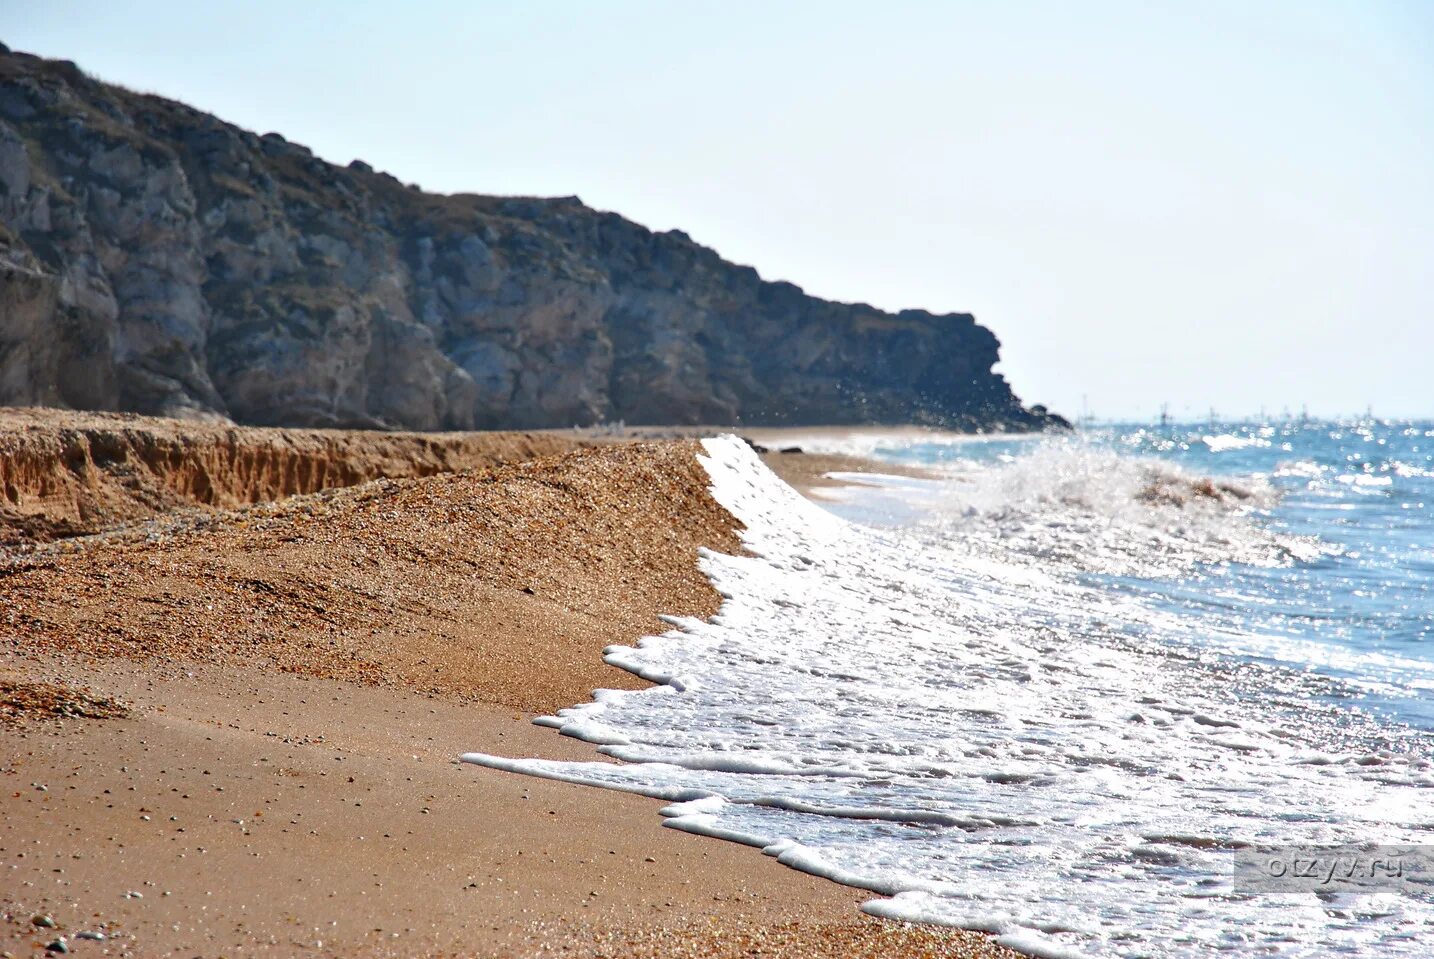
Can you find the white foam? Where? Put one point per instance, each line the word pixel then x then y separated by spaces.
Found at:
pixel 990 747
pixel 1232 441
pixel 1076 504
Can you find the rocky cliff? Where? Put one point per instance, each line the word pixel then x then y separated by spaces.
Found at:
pixel 158 260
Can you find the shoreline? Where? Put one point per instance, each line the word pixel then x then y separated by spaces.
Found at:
pixel 310 752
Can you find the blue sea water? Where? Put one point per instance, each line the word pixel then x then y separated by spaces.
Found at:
pixel 1356 603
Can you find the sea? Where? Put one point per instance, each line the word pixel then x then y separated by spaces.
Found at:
pixel 1136 690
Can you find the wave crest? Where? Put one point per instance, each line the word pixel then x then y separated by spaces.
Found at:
pixel 1069 502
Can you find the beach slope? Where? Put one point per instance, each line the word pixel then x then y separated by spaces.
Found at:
pixel 234 732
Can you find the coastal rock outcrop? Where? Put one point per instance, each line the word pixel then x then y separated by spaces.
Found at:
pixel 158 260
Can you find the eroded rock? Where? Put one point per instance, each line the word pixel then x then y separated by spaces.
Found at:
pixel 157 260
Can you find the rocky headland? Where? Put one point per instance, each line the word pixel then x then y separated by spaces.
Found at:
pixel 155 259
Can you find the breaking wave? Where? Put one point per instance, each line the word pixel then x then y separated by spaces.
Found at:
pixel 1070 505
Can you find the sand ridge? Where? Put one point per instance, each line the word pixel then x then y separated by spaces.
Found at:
pixel 65 473
pixel 499 585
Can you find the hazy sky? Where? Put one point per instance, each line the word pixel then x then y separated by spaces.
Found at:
pixel 1206 203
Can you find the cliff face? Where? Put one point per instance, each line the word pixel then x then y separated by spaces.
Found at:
pixel 157 260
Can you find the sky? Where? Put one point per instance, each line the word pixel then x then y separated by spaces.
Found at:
pixel 1223 205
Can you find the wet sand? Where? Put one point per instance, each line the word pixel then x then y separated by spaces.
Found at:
pixel 810 471
pixel 297 680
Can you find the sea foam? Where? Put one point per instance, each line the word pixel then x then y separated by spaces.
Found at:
pixel 989 746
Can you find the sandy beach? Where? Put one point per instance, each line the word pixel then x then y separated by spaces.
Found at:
pixel 234 731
